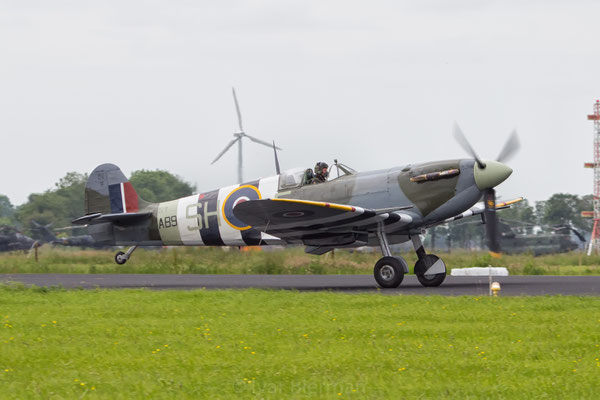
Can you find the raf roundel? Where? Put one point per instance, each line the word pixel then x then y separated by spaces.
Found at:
pixel 294 214
pixel 237 196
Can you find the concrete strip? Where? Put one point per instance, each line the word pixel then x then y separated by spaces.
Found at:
pixel 453 285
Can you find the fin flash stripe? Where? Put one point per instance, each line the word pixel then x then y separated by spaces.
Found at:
pixel 123 198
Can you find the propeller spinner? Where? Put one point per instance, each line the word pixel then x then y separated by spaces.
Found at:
pixel 489 174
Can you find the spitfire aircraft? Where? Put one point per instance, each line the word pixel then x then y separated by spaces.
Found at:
pixel 374 208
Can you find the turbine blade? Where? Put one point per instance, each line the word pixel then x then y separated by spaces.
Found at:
pixel 237 109
pixel 256 140
pixel 225 149
pixel 579 235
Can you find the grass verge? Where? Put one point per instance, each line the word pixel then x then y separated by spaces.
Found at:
pixel 202 260
pixel 282 344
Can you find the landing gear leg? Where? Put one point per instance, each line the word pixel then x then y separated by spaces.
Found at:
pixel 429 268
pixel 389 271
pixel 121 258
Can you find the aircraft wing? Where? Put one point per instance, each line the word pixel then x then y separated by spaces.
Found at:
pixel 478 209
pixel 291 219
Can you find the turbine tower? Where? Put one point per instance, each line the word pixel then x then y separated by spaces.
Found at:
pixel 238 138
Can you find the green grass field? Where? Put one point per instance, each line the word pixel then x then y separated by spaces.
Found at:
pixel 282 344
pixel 185 260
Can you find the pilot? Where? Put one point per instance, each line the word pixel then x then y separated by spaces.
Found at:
pixel 321 173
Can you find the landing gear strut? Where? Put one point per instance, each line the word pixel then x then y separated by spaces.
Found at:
pixel 429 268
pixel 121 258
pixel 389 271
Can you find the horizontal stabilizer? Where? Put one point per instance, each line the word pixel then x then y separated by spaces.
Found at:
pixel 119 219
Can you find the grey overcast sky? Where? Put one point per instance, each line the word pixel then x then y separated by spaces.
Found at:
pixel 147 85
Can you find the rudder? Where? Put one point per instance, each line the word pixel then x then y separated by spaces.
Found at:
pixel 108 191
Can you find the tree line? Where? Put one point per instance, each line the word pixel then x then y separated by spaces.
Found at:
pixel 65 201
pixel 561 209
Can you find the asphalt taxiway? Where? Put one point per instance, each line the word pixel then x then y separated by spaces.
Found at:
pixel 452 286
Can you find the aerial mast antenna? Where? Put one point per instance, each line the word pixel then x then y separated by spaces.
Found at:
pixel 277 169
pixel 595 238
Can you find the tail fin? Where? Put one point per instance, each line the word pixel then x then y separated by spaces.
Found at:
pixel 107 191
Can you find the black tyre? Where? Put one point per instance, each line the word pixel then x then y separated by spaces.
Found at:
pixel 423 265
pixel 120 259
pixel 389 271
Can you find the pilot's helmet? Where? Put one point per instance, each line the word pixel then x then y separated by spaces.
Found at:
pixel 319 168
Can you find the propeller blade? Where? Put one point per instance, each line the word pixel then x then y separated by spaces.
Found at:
pixel 579 235
pixel 464 143
pixel 237 109
pixel 491 222
pixel 277 169
pixel 225 149
pixel 510 147
pixel 256 140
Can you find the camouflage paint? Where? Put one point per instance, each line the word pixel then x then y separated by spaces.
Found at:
pixel 97 193
pixel 428 195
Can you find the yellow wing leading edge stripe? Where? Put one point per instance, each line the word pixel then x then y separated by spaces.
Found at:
pixel 509 202
pixel 353 209
pixel 321 204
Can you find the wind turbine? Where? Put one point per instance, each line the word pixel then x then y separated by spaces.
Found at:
pixel 238 138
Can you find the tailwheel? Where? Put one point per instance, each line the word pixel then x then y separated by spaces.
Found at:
pixel 389 271
pixel 121 258
pixel 430 270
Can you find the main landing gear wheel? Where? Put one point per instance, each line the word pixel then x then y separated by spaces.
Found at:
pixel 389 271
pixel 120 258
pixel 424 264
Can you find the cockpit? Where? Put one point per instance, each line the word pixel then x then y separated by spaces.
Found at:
pixel 291 178
pixel 297 177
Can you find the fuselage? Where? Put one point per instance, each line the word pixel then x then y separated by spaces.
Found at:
pixel 434 191
pixel 208 219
